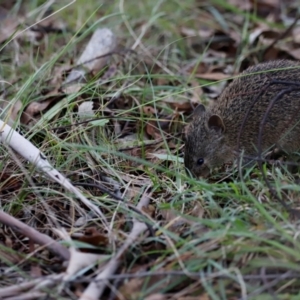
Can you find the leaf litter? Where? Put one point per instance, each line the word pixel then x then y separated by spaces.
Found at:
pixel 114 114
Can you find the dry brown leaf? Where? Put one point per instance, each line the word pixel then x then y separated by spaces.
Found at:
pixel 149 210
pixel 149 110
pixel 13 111
pixel 157 297
pixel 197 93
pixel 174 222
pixel 133 193
pixel 271 54
pixel 152 130
pixel 268 36
pixel 139 152
pixel 155 128
pixel 109 73
pixel 196 69
pixel 74 88
pixel 124 102
pixel 287 48
pixel 59 72
pixel 296 34
pixel 93 237
pixel 13 258
pixel 34 109
pixel 244 5
pixel 236 37
pixel 265 8
pixel 132 288
pixel 50 22
pixel 188 32
pixel 95 55
pixel 8 24
pixel 8 255
pixel 102 42
pixel 197 210
pixel 35 271
pixel 294 53
pixel 185 106
pixel 201 297
pixel 151 155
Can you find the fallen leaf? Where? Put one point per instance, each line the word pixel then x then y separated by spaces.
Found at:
pixel 9 182
pixel 201 297
pixel 35 271
pixel 296 34
pixel 149 110
pixel 95 55
pixel 35 109
pixel 245 5
pixel 92 241
pixel 86 110
pixel 157 297
pixel 8 24
pixel 294 53
pixel 184 106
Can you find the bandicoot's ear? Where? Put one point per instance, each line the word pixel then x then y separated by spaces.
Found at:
pixel 216 122
pixel 198 111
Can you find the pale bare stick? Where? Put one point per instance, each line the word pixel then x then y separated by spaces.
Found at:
pixel 34 235
pixel 29 296
pixel 18 288
pixel 27 150
pixel 96 288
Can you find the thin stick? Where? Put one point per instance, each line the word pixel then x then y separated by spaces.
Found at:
pixel 34 235
pixel 95 289
pixel 282 35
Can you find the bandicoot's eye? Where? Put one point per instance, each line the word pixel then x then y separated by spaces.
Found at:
pixel 200 161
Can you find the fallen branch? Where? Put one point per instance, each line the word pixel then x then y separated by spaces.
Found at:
pixel 96 288
pixel 25 286
pixel 31 153
pixel 29 296
pixel 34 235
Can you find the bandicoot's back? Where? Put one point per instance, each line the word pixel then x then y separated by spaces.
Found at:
pixel 264 96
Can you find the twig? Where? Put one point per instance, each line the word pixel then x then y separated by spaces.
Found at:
pixel 273 283
pixel 27 150
pixel 281 36
pixel 95 290
pixel 194 275
pixel 34 235
pixel 25 286
pixel 29 296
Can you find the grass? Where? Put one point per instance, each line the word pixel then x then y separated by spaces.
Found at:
pixel 213 238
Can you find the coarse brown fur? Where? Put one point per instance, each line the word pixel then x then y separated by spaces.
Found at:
pixel 214 131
